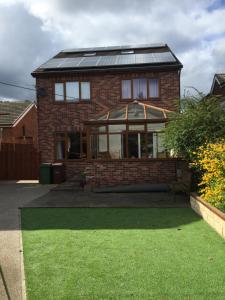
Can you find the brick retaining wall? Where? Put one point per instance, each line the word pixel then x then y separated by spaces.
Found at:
pixel 214 217
pixel 114 172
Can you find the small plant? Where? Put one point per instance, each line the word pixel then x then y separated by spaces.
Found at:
pixel 211 160
pixel 82 180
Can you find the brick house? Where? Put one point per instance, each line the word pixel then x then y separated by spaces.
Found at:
pixel 218 85
pixel 102 111
pixel 18 122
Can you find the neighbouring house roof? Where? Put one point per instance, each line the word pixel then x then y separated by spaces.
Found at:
pixel 11 112
pixel 135 111
pixel 116 57
pixel 219 79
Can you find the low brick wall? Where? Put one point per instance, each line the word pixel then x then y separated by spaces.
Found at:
pixel 113 172
pixel 214 217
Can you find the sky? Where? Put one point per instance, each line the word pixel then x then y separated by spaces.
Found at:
pixel 32 31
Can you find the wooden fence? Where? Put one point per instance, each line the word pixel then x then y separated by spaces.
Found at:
pixel 18 161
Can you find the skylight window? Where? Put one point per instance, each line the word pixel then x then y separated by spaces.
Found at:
pixel 127 52
pixel 89 54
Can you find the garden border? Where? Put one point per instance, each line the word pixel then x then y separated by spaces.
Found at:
pixel 213 216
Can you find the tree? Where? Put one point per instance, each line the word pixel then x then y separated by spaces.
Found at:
pixel 201 121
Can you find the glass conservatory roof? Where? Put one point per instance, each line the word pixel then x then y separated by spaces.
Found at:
pixel 135 111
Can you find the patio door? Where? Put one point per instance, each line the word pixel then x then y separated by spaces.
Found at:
pixel 136 145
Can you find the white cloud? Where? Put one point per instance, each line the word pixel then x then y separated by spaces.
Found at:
pixel 195 30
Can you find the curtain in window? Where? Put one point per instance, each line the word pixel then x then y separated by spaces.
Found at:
pixel 140 88
pixel 85 90
pixel 153 88
pixel 126 89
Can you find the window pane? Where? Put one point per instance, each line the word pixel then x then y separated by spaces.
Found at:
pixel 154 88
pixel 126 89
pixel 102 147
pixel 135 111
pixel 72 91
pixel 60 150
pixel 117 114
pixel 136 127
pixel 155 126
pixel 59 92
pixel 116 146
pixel 73 144
pixel 161 149
pixel 133 149
pixel 140 88
pixel 85 91
pixel 154 113
pixel 102 143
pixel 99 146
pixel 149 149
pixel 143 145
pixel 117 128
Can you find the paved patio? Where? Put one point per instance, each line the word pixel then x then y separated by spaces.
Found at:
pixel 14 196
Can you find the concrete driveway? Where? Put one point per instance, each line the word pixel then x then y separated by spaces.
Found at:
pixel 12 196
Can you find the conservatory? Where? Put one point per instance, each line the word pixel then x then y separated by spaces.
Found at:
pixel 134 131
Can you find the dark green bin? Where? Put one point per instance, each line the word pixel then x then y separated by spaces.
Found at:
pixel 45 173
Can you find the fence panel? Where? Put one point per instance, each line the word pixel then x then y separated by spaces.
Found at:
pixel 18 161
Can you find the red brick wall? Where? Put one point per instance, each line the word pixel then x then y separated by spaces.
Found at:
pixel 105 95
pixel 14 134
pixel 110 173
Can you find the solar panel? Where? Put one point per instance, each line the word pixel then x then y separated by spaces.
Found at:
pixel 110 48
pixel 126 59
pixel 89 61
pixel 109 60
pixel 71 62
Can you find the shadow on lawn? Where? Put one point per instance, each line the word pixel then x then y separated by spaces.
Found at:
pixel 106 218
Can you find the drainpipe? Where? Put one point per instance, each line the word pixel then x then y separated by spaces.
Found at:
pixel 179 72
pixel 1 135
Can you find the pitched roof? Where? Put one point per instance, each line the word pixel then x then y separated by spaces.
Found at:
pixel 220 78
pixel 133 111
pixel 10 112
pixel 115 57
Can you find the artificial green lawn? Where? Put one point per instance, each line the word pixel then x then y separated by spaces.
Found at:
pixel 109 253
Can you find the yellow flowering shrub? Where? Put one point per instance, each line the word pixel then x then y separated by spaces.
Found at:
pixel 211 160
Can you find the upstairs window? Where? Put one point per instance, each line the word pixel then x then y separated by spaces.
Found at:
pixel 72 91
pixel 140 89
